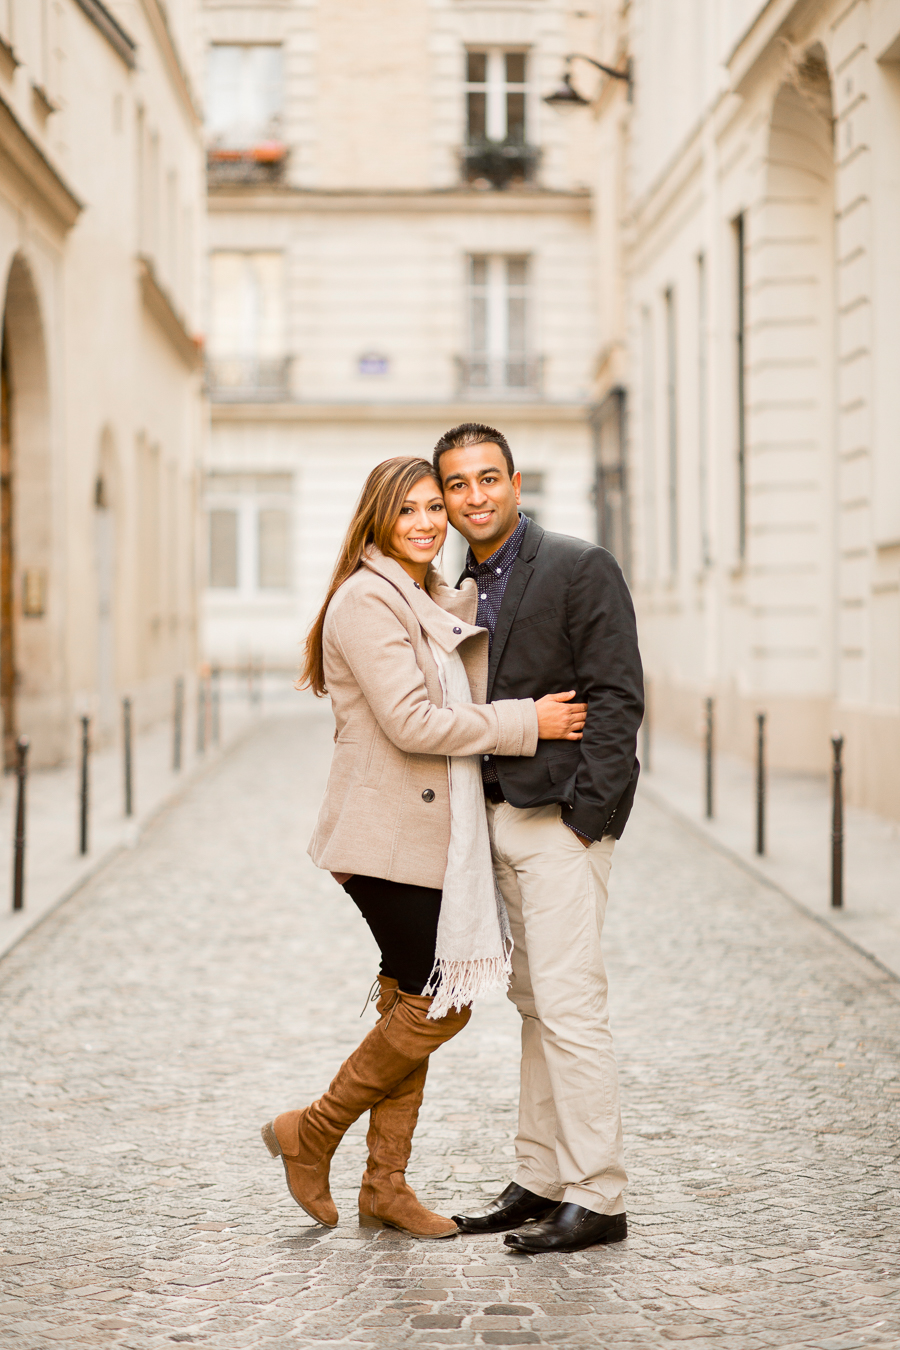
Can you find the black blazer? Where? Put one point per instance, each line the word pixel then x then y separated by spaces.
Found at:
pixel 567 622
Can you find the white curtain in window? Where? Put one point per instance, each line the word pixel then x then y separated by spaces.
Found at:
pixel 244 94
pixel 274 548
pixel 247 311
pixel 498 307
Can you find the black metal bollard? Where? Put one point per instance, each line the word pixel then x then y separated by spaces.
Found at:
pixel 126 742
pixel 85 747
pixel 201 715
pixel 645 729
pixel 178 725
pixel 761 783
pixel 19 839
pixel 216 700
pixel 709 759
pixel 837 823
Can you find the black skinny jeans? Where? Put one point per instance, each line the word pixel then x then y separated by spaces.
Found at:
pixel 404 921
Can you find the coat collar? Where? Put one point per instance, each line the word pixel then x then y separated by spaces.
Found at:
pixel 441 611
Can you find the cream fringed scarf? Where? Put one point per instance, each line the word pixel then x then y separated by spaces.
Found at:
pixel 474 945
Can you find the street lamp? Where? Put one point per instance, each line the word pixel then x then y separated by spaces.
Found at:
pixel 566 96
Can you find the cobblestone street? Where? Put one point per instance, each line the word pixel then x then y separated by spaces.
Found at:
pixel 212 977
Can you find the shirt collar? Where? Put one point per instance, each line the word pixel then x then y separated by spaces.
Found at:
pixel 506 554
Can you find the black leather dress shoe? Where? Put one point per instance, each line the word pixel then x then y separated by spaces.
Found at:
pixel 513 1207
pixel 569 1228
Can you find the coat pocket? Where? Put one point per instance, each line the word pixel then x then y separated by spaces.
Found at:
pixel 376 758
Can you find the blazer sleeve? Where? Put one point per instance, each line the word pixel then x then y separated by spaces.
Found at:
pixel 378 650
pixel 603 633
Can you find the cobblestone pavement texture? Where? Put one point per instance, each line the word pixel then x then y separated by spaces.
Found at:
pixel 213 977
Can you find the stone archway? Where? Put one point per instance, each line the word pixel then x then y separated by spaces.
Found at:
pixel 29 673
pixel 791 395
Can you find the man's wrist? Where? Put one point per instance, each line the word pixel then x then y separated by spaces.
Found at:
pixel 581 834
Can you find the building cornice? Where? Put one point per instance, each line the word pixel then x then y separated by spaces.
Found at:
pixel 159 26
pixel 776 20
pixel 24 160
pixel 454 200
pixel 160 307
pixel 449 412
pixel 124 46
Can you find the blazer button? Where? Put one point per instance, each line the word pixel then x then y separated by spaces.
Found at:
pixel 457 630
pixel 428 795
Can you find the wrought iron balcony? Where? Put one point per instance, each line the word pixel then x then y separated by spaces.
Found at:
pixel 258 166
pixel 248 379
pixel 500 376
pixel 499 164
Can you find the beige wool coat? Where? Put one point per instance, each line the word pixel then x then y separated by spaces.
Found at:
pixel 386 811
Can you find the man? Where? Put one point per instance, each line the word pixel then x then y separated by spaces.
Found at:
pixel 560 617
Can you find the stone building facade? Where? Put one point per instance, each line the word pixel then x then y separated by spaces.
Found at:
pixel 400 239
pixel 752 329
pixel 102 204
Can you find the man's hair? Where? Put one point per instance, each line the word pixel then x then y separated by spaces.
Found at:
pixel 471 433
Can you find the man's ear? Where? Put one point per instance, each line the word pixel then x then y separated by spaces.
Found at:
pixel 517 487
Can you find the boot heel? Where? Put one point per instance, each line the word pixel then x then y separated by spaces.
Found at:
pixel 369 1221
pixel 270 1140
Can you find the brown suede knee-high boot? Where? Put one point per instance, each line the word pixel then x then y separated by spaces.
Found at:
pixel 305 1140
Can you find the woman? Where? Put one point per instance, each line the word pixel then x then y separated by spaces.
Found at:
pixel 395 648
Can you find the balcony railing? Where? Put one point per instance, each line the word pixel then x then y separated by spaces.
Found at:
pixel 499 164
pixel 248 379
pixel 503 376
pixel 254 167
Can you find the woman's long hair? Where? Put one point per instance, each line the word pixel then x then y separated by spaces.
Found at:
pixel 384 492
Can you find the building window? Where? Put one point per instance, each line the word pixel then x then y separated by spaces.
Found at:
pixel 247 327
pixel 672 426
pixel 244 108
pixel 532 494
pixel 610 483
pixel 497 153
pixel 223 549
pixel 243 95
pixel 250 532
pixel 273 548
pixel 648 438
pixel 703 408
pixel 740 354
pixel 499 355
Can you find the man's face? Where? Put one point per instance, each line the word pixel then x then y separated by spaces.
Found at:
pixel 482 500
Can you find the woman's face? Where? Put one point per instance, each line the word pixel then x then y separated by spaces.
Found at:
pixel 421 527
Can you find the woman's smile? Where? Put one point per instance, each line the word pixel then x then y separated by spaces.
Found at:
pixel 420 528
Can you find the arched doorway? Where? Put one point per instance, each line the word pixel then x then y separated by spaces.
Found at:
pixel 790 376
pixel 29 662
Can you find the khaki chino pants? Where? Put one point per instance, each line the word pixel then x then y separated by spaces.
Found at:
pixel 569 1141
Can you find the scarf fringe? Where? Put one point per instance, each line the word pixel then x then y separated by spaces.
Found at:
pixel 455 984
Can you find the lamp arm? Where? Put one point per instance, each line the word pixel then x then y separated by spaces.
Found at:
pixel 607 70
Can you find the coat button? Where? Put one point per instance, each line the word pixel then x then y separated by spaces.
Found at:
pixel 428 795
pixel 457 630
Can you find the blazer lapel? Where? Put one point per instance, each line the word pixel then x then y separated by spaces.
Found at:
pixel 515 589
